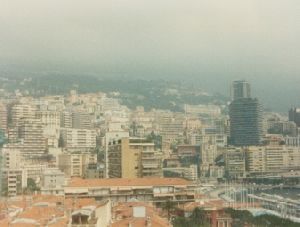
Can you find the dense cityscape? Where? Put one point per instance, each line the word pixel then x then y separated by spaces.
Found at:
pixel 86 159
pixel 132 113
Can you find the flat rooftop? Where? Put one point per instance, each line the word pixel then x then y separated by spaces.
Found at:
pixel 117 182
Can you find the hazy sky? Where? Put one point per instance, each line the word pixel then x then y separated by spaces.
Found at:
pixel 209 41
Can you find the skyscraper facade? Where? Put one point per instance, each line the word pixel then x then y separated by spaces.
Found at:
pixel 246 124
pixel 246 118
pixel 294 115
pixel 240 89
pixel 3 117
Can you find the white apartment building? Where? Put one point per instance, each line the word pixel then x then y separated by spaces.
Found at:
pixel 191 173
pixel 14 178
pixel 109 104
pixel 211 110
pixel 14 181
pixel 3 117
pixel 78 138
pixel 209 153
pixel 219 140
pixel 22 111
pixel 280 158
pixel 81 120
pixel 171 129
pixel 272 159
pixel 11 157
pixel 31 139
pixel 49 119
pixel 292 141
pixel 28 138
pixel 52 182
pixel 34 169
pixel 51 103
pixel 194 138
pixel 66 119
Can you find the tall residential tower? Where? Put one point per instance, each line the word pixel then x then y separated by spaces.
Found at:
pixel 246 118
pixel 240 89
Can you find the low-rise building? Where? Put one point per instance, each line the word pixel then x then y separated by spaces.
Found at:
pixel 55 211
pixel 75 164
pixel 98 215
pixel 142 189
pixel 14 181
pixel 137 214
pixel 94 170
pixel 52 182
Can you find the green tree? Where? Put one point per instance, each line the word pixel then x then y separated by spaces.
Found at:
pixel 169 206
pixel 31 185
pixel 181 221
pixel 198 217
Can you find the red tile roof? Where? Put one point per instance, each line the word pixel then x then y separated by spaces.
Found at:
pixel 123 216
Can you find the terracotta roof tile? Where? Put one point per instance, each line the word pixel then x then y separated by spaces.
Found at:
pixel 4 222
pixel 78 203
pixel 23 225
pixel 123 216
pixel 41 214
pixel 59 223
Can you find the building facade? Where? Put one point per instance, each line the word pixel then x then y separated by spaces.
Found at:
pixel 240 89
pixel 133 157
pixel 246 122
pixel 156 190
pixel 75 164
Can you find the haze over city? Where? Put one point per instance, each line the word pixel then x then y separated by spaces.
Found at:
pixel 158 113
pixel 206 43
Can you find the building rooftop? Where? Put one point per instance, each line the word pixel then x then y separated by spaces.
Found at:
pixel 44 210
pixel 206 204
pixel 124 215
pixel 41 214
pixel 113 182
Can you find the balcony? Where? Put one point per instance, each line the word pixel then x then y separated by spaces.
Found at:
pixel 150 165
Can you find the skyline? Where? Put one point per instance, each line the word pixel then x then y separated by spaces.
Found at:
pixel 171 113
pixel 208 44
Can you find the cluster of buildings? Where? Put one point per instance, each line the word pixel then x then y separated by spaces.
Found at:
pixel 94 136
pixel 267 160
pixel 91 146
pixel 58 211
pixel 51 139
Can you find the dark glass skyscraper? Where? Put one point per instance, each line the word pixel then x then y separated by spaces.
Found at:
pixel 240 89
pixel 294 115
pixel 246 126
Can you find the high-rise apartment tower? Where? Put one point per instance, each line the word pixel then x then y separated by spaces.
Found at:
pixel 240 89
